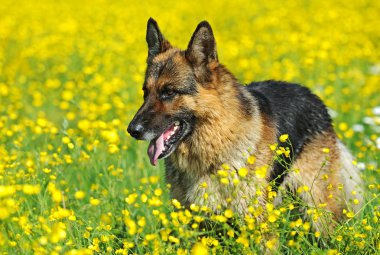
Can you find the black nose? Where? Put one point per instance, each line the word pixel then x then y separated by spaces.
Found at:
pixel 136 130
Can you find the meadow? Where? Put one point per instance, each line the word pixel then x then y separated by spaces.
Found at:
pixel 72 180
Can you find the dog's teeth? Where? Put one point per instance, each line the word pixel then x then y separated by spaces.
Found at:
pixel 176 123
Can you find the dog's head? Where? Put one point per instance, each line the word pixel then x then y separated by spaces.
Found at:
pixel 173 81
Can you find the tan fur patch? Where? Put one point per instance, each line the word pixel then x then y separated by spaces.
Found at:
pixel 320 171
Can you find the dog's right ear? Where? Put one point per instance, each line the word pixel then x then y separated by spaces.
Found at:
pixel 202 46
pixel 156 41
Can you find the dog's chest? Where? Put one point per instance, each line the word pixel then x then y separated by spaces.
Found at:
pixel 219 192
pixel 193 171
pixel 217 189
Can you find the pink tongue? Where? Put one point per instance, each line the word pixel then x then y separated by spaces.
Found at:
pixel 155 149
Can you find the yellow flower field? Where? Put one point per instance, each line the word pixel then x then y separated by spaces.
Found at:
pixel 72 180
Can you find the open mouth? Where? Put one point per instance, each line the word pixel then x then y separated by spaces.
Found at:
pixel 163 145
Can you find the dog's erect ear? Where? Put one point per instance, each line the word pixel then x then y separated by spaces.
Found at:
pixel 202 46
pixel 156 41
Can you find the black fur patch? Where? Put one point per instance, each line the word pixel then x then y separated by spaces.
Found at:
pixel 153 70
pixel 154 39
pixel 296 112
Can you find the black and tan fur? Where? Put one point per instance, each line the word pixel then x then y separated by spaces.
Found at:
pixel 223 122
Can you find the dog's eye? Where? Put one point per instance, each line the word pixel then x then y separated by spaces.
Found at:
pixel 167 94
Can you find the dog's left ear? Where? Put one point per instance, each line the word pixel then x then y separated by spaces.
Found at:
pixel 202 46
pixel 156 41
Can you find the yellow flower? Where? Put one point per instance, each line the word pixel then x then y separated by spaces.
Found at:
pixel 272 218
pixel 222 173
pixel 298 222
pixel 303 188
pixel 243 172
pixel 111 136
pixel 273 147
pixel 350 214
pixel 251 160
pixel 7 190
pixel 143 198
pixel 67 95
pixel 203 185
pixel 58 232
pixel 174 239
pixel 57 196
pixel 94 201
pixel 154 179
pixel 141 222
pixel 84 125
pixel 343 126
pixel 242 240
pixel 269 207
pixel 131 198
pixel 199 249
pixel 158 192
pixel 261 172
pixel 220 218
pixel 306 226
pixel 113 148
pixel 176 203
pixel 4 213
pixel 66 140
pixel 31 189
pixel 43 240
pixel 181 251
pixel 283 137
pixel 224 181
pixel 225 167
pixel 46 170
pixel 271 244
pixel 131 226
pixel 150 237
pixel 228 213
pixel 333 252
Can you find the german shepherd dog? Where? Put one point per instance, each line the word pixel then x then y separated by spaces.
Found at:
pixel 198 117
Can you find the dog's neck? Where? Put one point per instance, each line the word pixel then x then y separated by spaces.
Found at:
pixel 228 128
